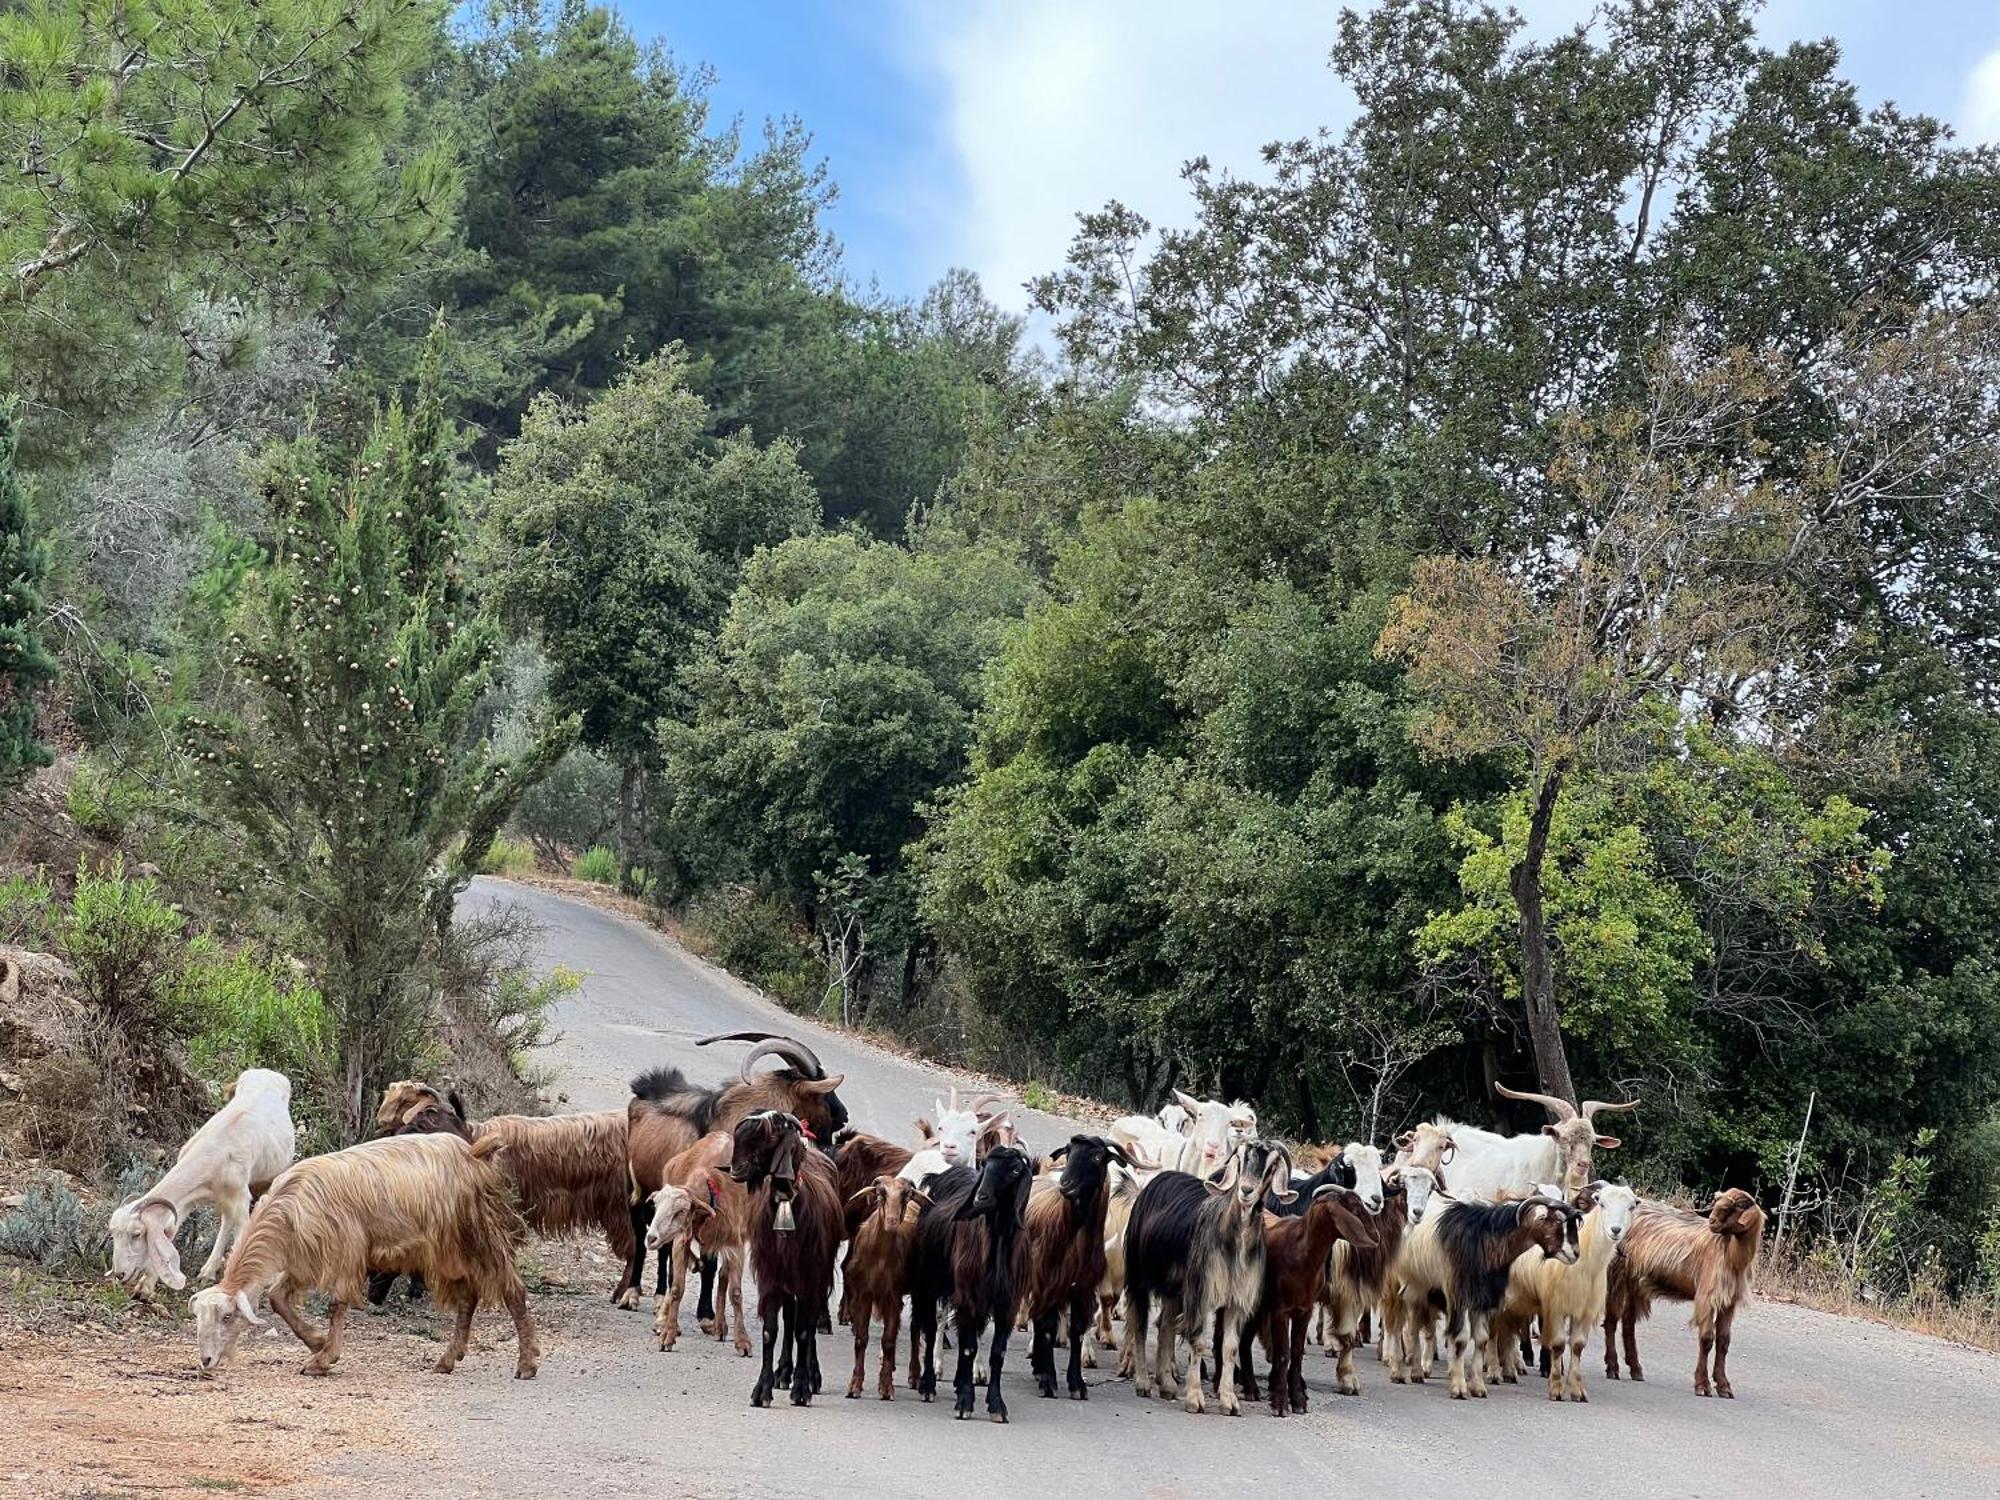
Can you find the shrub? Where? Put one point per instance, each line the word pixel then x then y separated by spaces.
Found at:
pixel 25 905
pixel 598 864
pixel 241 1010
pixel 74 1114
pixel 118 936
pixel 101 803
pixel 53 1229
pixel 1036 1096
pixel 508 857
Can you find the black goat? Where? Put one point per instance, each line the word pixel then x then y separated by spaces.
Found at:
pixel 795 1227
pixel 972 1247
pixel 1198 1246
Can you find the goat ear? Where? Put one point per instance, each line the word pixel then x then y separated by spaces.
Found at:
pixel 1191 1105
pixel 161 1255
pixel 822 1085
pixel 1405 1140
pixel 1058 1154
pixel 1607 1143
pixel 699 1210
pixel 1550 1130
pixel 249 1313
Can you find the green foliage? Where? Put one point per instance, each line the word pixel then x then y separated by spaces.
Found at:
pixel 251 139
pixel 100 802
pixel 120 937
pixel 348 769
pixel 509 857
pixel 239 1009
pixel 25 663
pixel 598 864
pixel 26 911
pixel 837 700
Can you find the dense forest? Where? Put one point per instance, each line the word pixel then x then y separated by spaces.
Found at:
pixel 1502 593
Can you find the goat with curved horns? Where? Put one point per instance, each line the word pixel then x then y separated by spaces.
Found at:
pixel 1485 1164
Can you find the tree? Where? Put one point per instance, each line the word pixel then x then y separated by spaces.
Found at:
pixel 1668 583
pixel 148 138
pixel 25 663
pixel 615 533
pixel 340 752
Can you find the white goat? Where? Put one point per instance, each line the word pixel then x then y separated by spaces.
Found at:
pixel 1214 1130
pixel 1485 1164
pixel 955 1135
pixel 1152 1139
pixel 237 1152
pixel 939 1157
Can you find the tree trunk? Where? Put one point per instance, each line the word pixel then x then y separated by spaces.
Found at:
pixel 1308 1111
pixel 1538 980
pixel 628 837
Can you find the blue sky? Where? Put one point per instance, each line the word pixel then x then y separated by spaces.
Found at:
pixel 971 132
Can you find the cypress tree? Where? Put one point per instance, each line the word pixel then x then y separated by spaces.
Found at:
pixel 25 663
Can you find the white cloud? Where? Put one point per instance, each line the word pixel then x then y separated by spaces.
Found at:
pixel 1980 117
pixel 1055 107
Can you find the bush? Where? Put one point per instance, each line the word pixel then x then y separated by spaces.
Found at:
pixel 754 938
pixel 25 906
pixel 53 1229
pixel 240 1010
pixel 598 864
pixel 75 1111
pixel 118 936
pixel 508 857
pixel 101 803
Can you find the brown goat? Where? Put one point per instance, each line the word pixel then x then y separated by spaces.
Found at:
pixel 1684 1257
pixel 859 1159
pixel 877 1273
pixel 699 1213
pixel 667 1114
pixel 568 1170
pixel 795 1224
pixel 1358 1274
pixel 1065 1230
pixel 428 1203
pixel 1297 1254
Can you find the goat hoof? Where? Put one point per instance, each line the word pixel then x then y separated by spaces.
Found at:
pixel 526 1372
pixel 314 1367
pixel 1722 1390
pixel 1610 1374
pixel 1638 1376
pixel 1579 1396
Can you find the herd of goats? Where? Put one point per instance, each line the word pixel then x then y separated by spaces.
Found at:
pixel 1190 1213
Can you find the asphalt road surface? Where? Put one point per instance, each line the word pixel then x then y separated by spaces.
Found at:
pixel 1825 1406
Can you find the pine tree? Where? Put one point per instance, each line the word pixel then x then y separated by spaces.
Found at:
pixel 351 772
pixel 24 662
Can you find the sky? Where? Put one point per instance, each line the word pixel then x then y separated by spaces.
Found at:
pixel 972 132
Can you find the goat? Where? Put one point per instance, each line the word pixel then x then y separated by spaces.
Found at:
pixel 1198 1246
pixel 1066 1255
pixel 235 1155
pixel 1685 1257
pixel 1214 1130
pixel 931 1159
pixel 1459 1258
pixel 667 1114
pixel 1298 1249
pixel 877 1274
pixel 1358 1274
pixel 858 1160
pixel 1149 1140
pixel 795 1224
pixel 1571 1298
pixel 962 1134
pixel 1485 1164
pixel 1125 1187
pixel 429 1203
pixel 697 1206
pixel 1354 1166
pixel 569 1170
pixel 971 1247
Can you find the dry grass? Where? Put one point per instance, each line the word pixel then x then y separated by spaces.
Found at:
pixel 1791 1277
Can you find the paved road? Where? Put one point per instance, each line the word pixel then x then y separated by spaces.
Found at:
pixel 1826 1406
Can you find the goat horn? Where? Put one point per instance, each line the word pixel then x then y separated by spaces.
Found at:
pixel 1592 1106
pixel 983 1100
pixel 770 1044
pixel 1562 1109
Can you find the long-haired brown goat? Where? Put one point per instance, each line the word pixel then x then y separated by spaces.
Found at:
pixel 877 1272
pixel 569 1170
pixel 667 1114
pixel 1066 1255
pixel 428 1203
pixel 795 1224
pixel 1685 1257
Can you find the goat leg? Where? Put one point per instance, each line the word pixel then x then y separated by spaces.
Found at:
pixel 1079 1346
pixel 996 1404
pixel 961 1384
pixel 704 1307
pixel 527 1349
pixel 461 1335
pixel 733 1271
pixel 633 1276
pixel 767 1313
pixel 892 1323
pixel 805 1367
pixel 1296 1372
pixel 326 1357
pixel 1724 1322
pixel 1042 1354
pixel 787 1310
pixel 281 1304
